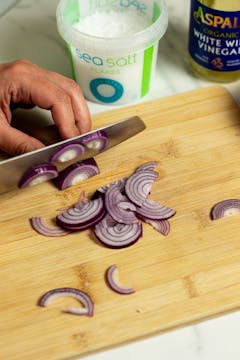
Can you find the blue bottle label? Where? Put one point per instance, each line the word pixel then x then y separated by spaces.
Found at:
pixel 214 40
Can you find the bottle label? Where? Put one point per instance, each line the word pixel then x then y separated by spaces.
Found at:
pixel 214 40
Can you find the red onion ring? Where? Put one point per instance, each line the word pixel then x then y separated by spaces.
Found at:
pixel 119 207
pixel 82 217
pixel 79 295
pixel 149 165
pixel 139 184
pixel 112 281
pixel 38 174
pixel 67 152
pixel 97 140
pixel 225 208
pixel 76 173
pixel 40 225
pixel 152 210
pixel 118 235
pixel 162 226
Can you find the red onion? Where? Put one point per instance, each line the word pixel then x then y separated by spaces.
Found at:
pixel 79 295
pixel 112 281
pixel 83 216
pixel 97 140
pixel 162 226
pixel 102 190
pixel 76 173
pixel 225 208
pixel 117 235
pixel 139 184
pixel 119 207
pixel 150 165
pixel 40 225
pixel 67 152
pixel 151 210
pixel 38 174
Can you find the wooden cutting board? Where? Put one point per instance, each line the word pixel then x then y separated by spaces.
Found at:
pixel 190 275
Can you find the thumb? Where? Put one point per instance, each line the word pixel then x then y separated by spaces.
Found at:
pixel 15 142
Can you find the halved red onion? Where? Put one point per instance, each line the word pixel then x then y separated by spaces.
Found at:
pixel 76 173
pixel 149 165
pixel 112 281
pixel 225 208
pixel 139 184
pixel 97 140
pixel 67 152
pixel 152 210
pixel 162 226
pixel 38 174
pixel 82 217
pixel 119 207
pixel 43 228
pixel 81 296
pixel 117 235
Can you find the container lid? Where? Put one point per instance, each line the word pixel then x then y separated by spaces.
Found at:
pixel 68 14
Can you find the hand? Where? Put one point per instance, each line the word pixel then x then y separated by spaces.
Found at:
pixel 22 82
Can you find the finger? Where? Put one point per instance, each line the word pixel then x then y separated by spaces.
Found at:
pixel 79 104
pixel 47 95
pixel 14 142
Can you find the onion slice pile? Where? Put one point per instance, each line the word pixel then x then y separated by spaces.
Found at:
pixel 224 208
pixel 38 174
pixel 76 173
pixel 97 140
pixel 113 282
pixel 67 152
pixel 41 226
pixel 115 235
pixel 119 207
pixel 82 216
pixel 82 297
pixel 139 184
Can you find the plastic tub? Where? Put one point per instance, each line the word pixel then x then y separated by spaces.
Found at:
pixel 113 70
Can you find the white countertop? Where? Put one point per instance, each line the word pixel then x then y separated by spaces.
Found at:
pixel 29 30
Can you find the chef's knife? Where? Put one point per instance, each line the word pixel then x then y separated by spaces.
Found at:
pixel 12 169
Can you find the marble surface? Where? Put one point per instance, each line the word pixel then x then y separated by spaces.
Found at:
pixel 29 29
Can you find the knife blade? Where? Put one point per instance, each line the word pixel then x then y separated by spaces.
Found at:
pixel 12 169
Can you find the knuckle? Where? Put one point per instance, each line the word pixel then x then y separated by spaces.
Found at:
pixel 19 66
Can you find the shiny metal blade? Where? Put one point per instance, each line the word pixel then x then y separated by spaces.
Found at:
pixel 12 169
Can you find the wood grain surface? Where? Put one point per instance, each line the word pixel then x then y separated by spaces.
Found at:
pixel 190 275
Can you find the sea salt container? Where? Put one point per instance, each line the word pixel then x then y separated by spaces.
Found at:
pixel 113 46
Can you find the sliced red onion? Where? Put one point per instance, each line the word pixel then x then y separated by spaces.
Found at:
pixel 82 217
pixel 119 207
pixel 150 165
pixel 102 190
pixel 67 152
pixel 97 140
pixel 162 226
pixel 139 184
pixel 112 281
pixel 225 208
pixel 38 174
pixel 40 225
pixel 152 210
pixel 118 235
pixel 82 297
pixel 76 173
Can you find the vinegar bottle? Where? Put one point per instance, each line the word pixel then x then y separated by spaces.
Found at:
pixel 214 39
